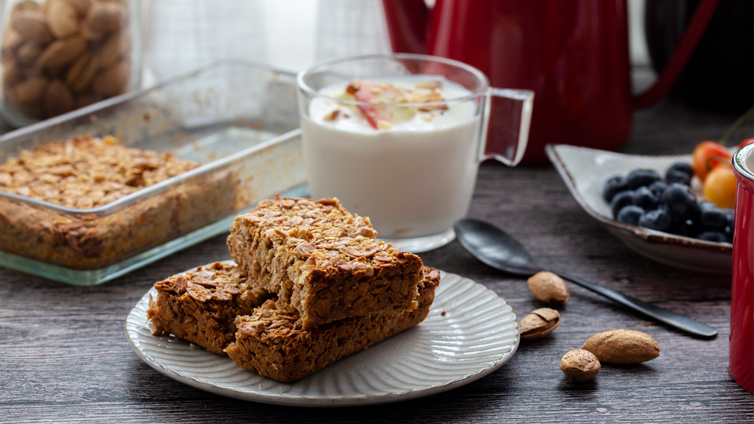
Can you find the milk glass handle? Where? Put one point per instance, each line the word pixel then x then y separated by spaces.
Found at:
pixel 506 124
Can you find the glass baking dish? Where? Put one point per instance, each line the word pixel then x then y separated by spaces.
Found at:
pixel 238 119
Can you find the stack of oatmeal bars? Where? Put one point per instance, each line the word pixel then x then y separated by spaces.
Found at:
pixel 311 285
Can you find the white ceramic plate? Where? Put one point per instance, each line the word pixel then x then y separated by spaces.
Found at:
pixel 585 171
pixel 477 335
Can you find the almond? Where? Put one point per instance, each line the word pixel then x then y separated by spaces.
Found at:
pixel 24 5
pixel 549 288
pixel 11 75
pixel 81 6
pixel 62 18
pixel 81 73
pixel 623 347
pixel 539 323
pixel 30 91
pixel 115 46
pixel 580 365
pixel 11 39
pixel 60 53
pixel 106 17
pixel 31 25
pixel 28 53
pixel 112 81
pixel 86 99
pixel 58 99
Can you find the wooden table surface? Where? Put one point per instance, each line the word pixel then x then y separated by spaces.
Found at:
pixel 64 355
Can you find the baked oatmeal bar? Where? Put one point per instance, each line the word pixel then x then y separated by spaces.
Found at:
pixel 273 343
pixel 84 173
pixel 322 261
pixel 201 306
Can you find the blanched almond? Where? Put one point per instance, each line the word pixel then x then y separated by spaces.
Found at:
pixel 31 25
pixel 60 53
pixel 30 91
pixel 81 74
pixel 112 81
pixel 62 18
pixel 106 16
pixel 58 99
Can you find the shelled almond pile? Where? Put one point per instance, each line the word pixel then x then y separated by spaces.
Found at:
pixel 65 54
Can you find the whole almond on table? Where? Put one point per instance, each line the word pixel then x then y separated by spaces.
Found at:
pixel 538 324
pixel 580 365
pixel 623 347
pixel 549 288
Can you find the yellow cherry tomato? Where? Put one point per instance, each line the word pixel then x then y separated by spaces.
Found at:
pixel 708 155
pixel 720 187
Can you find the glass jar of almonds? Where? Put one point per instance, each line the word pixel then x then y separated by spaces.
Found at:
pixel 61 55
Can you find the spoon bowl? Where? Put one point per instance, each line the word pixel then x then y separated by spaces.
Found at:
pixel 484 242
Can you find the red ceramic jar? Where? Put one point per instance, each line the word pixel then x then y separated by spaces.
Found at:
pixel 742 296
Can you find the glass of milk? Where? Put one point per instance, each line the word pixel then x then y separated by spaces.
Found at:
pixel 398 138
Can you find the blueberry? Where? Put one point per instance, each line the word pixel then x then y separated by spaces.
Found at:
pixel 677 177
pixel 658 187
pixel 630 214
pixel 681 202
pixel 729 233
pixel 658 219
pixel 614 186
pixel 715 236
pixel 730 224
pixel 704 204
pixel 644 198
pixel 713 219
pixel 641 178
pixel 687 228
pixel 682 167
pixel 620 200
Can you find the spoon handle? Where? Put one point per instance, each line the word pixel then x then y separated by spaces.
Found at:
pixel 680 322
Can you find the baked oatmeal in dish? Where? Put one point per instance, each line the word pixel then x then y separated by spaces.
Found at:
pixel 201 306
pixel 322 261
pixel 272 341
pixel 86 174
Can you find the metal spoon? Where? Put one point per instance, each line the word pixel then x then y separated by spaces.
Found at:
pixel 496 248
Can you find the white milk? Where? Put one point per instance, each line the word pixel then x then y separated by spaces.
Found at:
pixel 413 179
